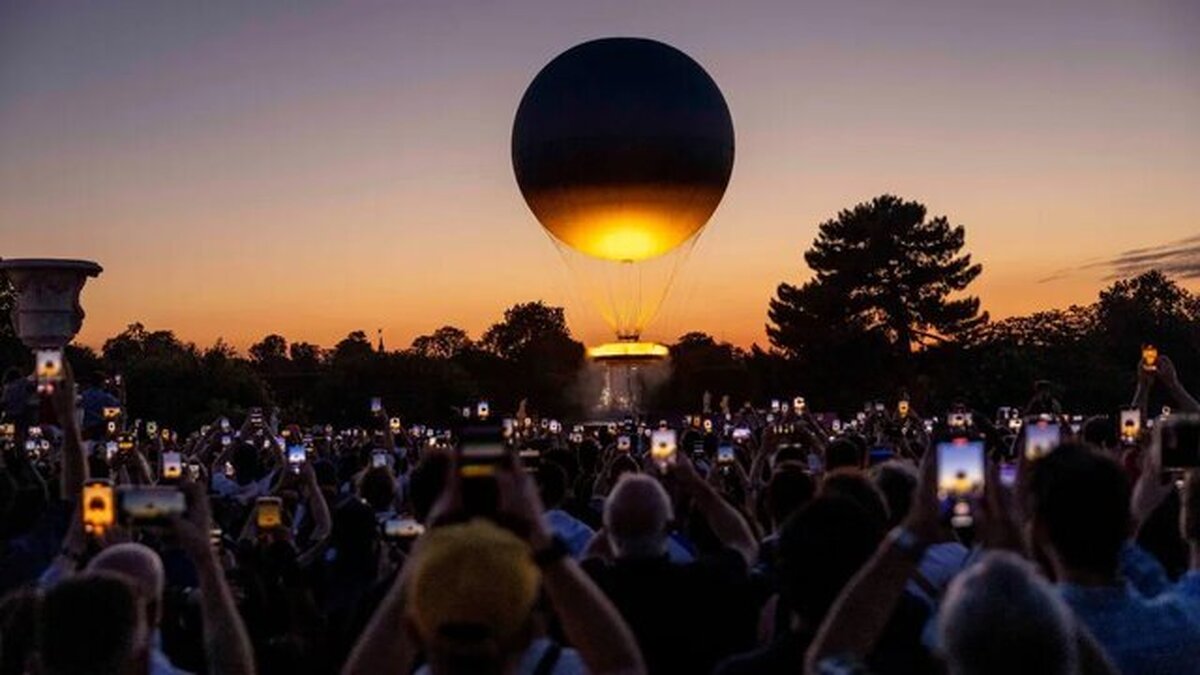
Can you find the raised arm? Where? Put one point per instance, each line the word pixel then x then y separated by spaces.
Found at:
pixel 727 524
pixel 74 465
pixel 1169 377
pixel 590 621
pixel 866 604
pixel 226 644
pixel 320 513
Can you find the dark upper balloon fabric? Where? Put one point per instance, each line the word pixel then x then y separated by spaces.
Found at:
pixel 623 148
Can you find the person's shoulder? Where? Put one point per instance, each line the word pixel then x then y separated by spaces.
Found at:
pixel 724 563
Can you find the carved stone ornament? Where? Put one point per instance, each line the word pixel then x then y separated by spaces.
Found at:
pixel 47 314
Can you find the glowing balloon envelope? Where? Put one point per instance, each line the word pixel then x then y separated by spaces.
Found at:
pixel 622 148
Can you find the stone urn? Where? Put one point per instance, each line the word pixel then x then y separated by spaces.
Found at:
pixel 47 314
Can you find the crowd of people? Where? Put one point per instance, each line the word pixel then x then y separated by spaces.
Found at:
pixel 728 540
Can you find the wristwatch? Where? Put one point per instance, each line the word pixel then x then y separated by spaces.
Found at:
pixel 907 542
pixel 557 550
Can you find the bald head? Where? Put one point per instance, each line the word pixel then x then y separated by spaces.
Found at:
pixel 636 517
pixel 140 566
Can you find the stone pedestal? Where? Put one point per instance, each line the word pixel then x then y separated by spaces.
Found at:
pixel 47 314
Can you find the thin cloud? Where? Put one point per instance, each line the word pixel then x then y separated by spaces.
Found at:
pixel 1179 259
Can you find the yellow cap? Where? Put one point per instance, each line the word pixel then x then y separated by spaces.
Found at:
pixel 472 574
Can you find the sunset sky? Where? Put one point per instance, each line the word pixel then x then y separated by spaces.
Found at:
pixel 311 168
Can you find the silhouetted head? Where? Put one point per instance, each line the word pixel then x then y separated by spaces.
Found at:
pixel 843 453
pixel 1079 503
pixel 1000 617
pixel 789 489
pixel 378 488
pixel 141 567
pixel 92 625
pixel 636 517
pixel 821 547
pixel 853 485
pixel 896 481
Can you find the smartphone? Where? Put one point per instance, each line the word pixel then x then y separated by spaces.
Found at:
pixel 1131 425
pixel 151 428
pixel 226 441
pixel 663 447
pixel 798 404
pixel 960 479
pixel 624 444
pixel 110 450
pixel 224 425
pixel 879 455
pixel 125 442
pixel 110 427
pixel 402 528
pixel 725 455
pixel 958 420
pixel 379 460
pixel 1008 474
pixel 172 466
pixel 256 417
pixel 555 427
pixel 112 412
pixel 1041 437
pixel 479 456
pixel 268 513
pixel 530 458
pixel 49 369
pixel 1149 357
pixel 150 504
pixel 740 434
pixel 482 410
pixel 297 455
pixel 1179 442
pixel 708 426
pixel 376 405
pixel 775 405
pixel 902 408
pixel 99 512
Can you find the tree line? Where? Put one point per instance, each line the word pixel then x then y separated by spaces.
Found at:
pixel 886 312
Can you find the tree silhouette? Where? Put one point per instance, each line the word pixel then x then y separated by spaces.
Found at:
pixel 270 352
pixel 882 266
pixel 884 277
pixel 443 343
pixel 524 325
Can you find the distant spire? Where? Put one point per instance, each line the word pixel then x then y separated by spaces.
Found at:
pixel 379 332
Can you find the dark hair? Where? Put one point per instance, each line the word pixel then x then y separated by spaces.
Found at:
pixel 896 482
pixel 425 483
pixel 843 453
pixel 789 489
pixel 853 485
pixel 378 488
pixel 1081 499
pixel 821 547
pixel 88 624
pixel 552 480
pixel 1100 431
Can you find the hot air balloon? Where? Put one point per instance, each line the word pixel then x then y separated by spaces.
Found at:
pixel 622 148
